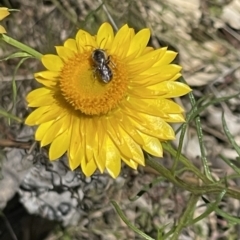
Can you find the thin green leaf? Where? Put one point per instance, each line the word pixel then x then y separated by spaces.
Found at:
pixel 9 115
pixel 17 55
pixel 161 235
pixel 210 208
pixel 14 87
pixel 231 164
pixel 232 219
pixel 179 149
pixel 167 147
pixel 89 16
pixel 186 216
pixel 196 110
pixel 20 46
pixel 13 10
pixel 230 136
pixel 146 188
pixel 169 233
pixel 129 224
pixel 200 137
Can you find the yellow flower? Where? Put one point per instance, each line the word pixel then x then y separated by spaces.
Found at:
pixel 3 13
pixel 101 123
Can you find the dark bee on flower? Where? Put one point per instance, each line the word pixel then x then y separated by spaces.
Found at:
pixel 101 65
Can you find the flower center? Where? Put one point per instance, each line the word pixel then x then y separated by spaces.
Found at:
pixel 83 87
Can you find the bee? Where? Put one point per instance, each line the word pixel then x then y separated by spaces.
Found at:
pixel 101 65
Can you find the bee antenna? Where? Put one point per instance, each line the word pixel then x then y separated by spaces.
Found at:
pixel 101 42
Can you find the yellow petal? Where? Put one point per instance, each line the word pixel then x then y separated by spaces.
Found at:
pixel 131 163
pixel 172 89
pixel 71 44
pixel 152 105
pixel 100 151
pixel 2 29
pixel 119 140
pixel 92 144
pixel 3 12
pixel 175 118
pixel 136 151
pixel 149 56
pixel 167 71
pixel 45 114
pixel 33 117
pixel 122 38
pixel 113 158
pixel 58 127
pixel 50 75
pixel 167 58
pixel 84 40
pixel 144 81
pixel 89 167
pixel 54 113
pixel 47 78
pixel 152 126
pixel 105 36
pixel 52 62
pixel 143 63
pixel 90 136
pixel 152 145
pixel 59 145
pixel 139 68
pixel 39 92
pixel 143 92
pixel 75 136
pixel 64 53
pixel 42 129
pixel 139 42
pixel 147 50
pixel 47 83
pixel 42 101
pixel 74 161
pixel 126 125
pixel 146 106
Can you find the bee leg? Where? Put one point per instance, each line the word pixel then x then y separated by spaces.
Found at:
pixel 94 69
pixel 109 61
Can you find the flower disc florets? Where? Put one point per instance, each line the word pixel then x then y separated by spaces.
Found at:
pixel 83 88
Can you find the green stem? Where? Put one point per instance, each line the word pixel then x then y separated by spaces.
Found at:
pixel 179 149
pixel 200 135
pixel 9 115
pixel 211 207
pixel 130 225
pixel 21 46
pixel 163 171
pixel 167 147
pixel 186 216
pixel 206 188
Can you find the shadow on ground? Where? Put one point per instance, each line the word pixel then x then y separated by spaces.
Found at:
pixel 17 224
